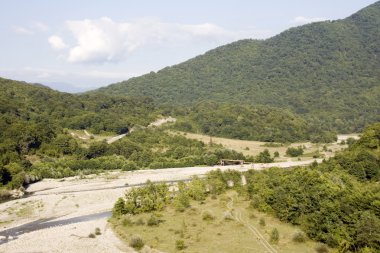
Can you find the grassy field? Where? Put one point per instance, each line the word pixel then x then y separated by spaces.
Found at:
pixel 255 147
pixel 231 226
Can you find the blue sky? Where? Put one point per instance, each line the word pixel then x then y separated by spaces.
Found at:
pixel 80 45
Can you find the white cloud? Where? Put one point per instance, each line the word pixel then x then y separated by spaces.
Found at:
pixel 56 42
pixel 104 40
pixel 40 27
pixel 47 73
pixel 301 20
pixel 110 75
pixel 22 30
pixel 31 29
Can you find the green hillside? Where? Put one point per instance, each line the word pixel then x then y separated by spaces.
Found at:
pixel 35 142
pixel 20 102
pixel 33 118
pixel 260 123
pixel 327 72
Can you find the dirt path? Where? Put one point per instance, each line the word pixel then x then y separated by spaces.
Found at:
pixel 162 121
pixel 236 214
pixel 115 138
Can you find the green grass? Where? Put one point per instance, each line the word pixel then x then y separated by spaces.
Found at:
pixel 220 234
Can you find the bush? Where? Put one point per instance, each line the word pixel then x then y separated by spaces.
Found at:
pixel 97 231
pixel 140 222
pixel 262 222
pixel 129 165
pixel 153 221
pixel 274 236
pixel 180 244
pixel 126 222
pixel 4 194
pixel 299 237
pixel 207 215
pixel 181 202
pixel 119 208
pixel 264 157
pixel 91 235
pixel 321 248
pixel 136 242
pixel 294 152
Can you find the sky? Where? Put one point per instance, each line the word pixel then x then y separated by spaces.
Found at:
pixel 78 45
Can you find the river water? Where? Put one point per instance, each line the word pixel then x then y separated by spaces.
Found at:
pixel 13 233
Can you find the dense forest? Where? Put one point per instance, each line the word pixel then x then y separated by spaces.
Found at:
pixel 326 72
pixel 23 102
pixel 33 116
pixel 336 202
pixel 259 123
pixel 35 139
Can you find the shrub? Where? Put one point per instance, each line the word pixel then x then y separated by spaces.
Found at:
pixel 264 157
pixel 153 221
pixel 299 237
pixel 97 231
pixel 126 222
pixel 140 222
pixel 181 202
pixel 293 152
pixel 91 235
pixel 321 248
pixel 274 236
pixel 129 165
pixel 4 194
pixel 180 244
pixel 136 242
pixel 262 222
pixel 119 208
pixel 207 215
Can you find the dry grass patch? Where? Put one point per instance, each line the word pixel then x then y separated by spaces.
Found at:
pixel 190 232
pixel 253 148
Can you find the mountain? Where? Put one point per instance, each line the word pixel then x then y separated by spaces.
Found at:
pixel 23 102
pixel 66 87
pixel 36 137
pixel 327 72
pixel 31 116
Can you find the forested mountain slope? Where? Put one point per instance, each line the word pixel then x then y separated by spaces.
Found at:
pixel 34 143
pixel 328 72
pixel 259 123
pixel 21 102
pixel 33 118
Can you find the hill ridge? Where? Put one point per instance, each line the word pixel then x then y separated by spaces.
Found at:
pixel 326 71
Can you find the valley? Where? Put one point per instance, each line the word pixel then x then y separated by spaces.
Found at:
pixel 268 145
pixel 76 197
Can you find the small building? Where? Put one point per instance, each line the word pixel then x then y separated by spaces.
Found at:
pixel 231 162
